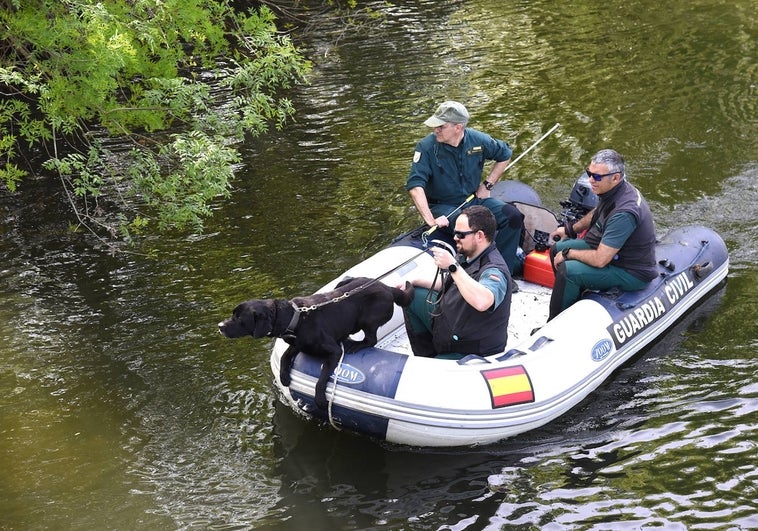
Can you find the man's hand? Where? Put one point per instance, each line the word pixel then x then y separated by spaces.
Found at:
pixel 442 257
pixel 441 221
pixel 557 259
pixel 558 234
pixel 482 192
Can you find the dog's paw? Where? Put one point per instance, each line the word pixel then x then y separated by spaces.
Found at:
pixel 351 345
pixel 321 402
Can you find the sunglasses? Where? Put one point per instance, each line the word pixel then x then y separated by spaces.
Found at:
pixel 459 235
pixel 598 176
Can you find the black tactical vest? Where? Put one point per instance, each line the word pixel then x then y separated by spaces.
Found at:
pixel 461 328
pixel 637 255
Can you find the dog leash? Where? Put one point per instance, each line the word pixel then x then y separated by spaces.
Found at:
pixel 439 243
pixel 306 309
pixel 330 301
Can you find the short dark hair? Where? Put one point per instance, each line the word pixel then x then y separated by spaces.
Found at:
pixel 612 159
pixel 481 218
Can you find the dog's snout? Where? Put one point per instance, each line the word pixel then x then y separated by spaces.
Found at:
pixel 230 328
pixel 222 328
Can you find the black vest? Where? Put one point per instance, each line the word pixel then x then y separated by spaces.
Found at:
pixel 637 255
pixel 461 328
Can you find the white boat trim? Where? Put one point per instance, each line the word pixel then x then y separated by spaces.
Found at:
pixel 560 368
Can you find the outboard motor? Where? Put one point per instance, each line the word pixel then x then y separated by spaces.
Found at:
pixel 581 200
pixel 537 267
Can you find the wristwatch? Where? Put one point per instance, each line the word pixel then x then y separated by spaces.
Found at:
pixel 452 268
pixel 565 253
pixel 488 185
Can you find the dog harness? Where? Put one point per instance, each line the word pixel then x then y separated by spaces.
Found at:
pixel 289 332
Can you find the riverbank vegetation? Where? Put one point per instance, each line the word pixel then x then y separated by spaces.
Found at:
pixel 135 108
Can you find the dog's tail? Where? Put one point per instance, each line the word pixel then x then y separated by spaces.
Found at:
pixel 403 297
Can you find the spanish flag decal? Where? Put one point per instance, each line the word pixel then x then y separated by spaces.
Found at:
pixel 509 386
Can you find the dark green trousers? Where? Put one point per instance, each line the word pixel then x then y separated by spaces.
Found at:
pixel 572 277
pixel 418 324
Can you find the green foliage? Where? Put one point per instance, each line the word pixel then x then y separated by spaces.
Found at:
pixel 72 71
pixel 202 168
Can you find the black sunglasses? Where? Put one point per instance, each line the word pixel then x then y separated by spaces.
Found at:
pixel 598 176
pixel 462 234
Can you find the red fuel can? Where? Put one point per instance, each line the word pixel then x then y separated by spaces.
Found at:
pixel 537 268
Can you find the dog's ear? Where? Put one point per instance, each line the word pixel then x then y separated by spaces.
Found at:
pixel 344 281
pixel 263 318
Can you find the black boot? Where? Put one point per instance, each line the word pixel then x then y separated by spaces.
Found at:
pixel 556 298
pixel 421 342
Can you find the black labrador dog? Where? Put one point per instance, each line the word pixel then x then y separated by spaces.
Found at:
pixel 320 324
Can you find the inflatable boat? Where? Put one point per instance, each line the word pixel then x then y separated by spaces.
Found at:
pixel 387 393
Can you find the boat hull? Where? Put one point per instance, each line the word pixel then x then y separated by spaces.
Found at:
pixel 387 393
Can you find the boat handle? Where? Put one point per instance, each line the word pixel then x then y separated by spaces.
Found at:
pixel 471 357
pixel 510 354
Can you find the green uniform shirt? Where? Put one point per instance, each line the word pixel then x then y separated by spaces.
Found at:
pixel 450 174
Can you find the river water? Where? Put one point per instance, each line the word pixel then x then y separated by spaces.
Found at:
pixel 121 407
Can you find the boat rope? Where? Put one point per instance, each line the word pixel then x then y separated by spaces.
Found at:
pixel 334 390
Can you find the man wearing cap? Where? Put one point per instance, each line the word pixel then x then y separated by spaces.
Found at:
pixel 447 168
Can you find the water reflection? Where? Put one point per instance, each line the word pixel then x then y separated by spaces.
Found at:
pixel 638 431
pixel 122 407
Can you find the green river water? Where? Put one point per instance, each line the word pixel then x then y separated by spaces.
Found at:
pixel 121 407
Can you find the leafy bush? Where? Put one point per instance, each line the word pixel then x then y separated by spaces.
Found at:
pixel 75 71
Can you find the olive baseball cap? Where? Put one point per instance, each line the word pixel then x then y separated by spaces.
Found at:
pixel 449 111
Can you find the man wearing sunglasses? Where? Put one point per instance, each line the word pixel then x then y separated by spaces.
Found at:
pixel 466 310
pixel 447 169
pixel 618 249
